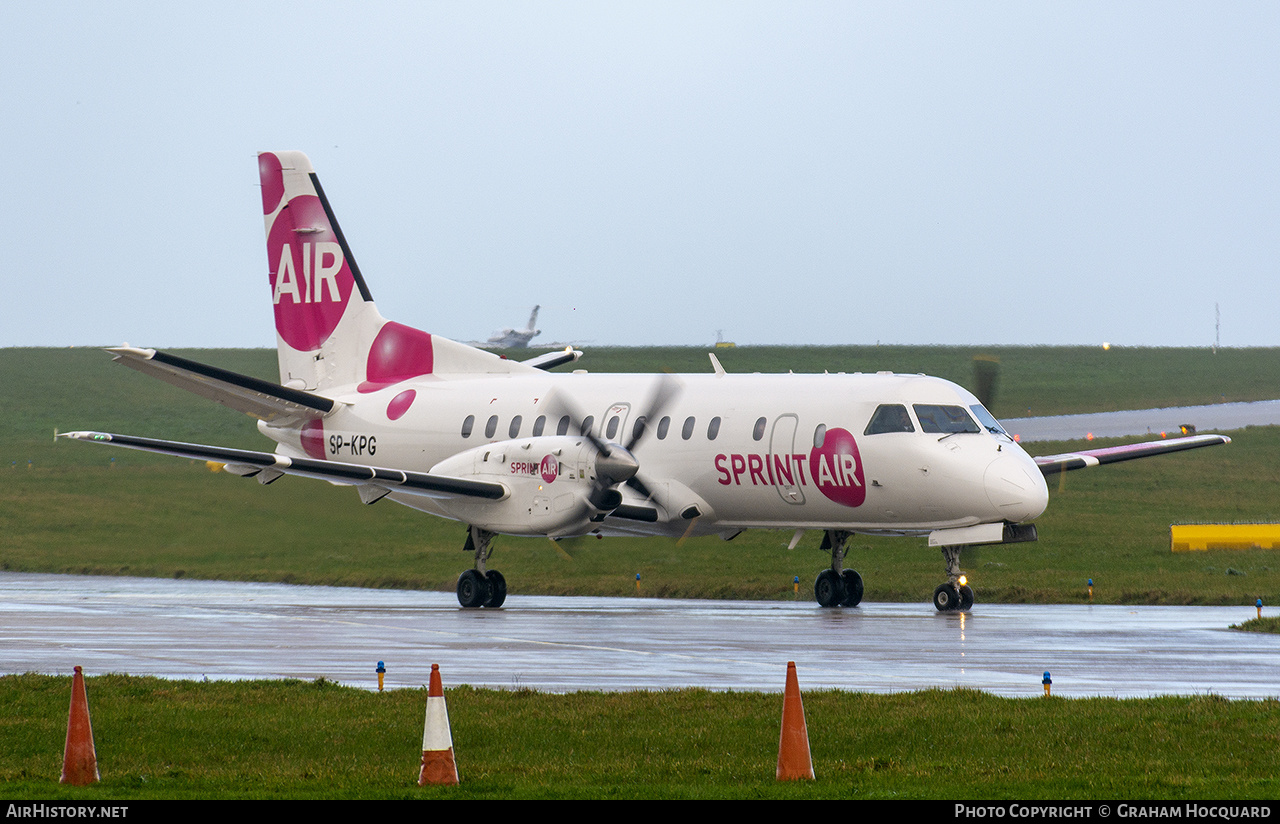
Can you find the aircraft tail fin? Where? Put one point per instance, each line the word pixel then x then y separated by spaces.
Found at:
pixel 328 330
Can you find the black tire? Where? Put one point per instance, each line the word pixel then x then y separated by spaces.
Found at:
pixel 828 589
pixel 966 598
pixel 473 590
pixel 497 589
pixel 852 588
pixel 946 598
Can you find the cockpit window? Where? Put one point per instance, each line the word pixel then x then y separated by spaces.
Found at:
pixel 946 420
pixel 987 419
pixel 889 417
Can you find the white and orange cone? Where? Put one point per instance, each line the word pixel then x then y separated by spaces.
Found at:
pixel 794 761
pixel 79 760
pixel 438 766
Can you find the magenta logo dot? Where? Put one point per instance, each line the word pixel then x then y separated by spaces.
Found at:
pixel 313 438
pixel 398 353
pixel 550 468
pixel 400 404
pixel 272 177
pixel 836 468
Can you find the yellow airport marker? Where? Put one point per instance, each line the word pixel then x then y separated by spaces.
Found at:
pixel 796 585
pixel 1047 681
pixel 637 583
pixel 382 671
pixel 1091 590
pixel 1259 607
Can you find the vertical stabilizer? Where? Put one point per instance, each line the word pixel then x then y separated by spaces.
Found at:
pixel 328 331
pixel 325 317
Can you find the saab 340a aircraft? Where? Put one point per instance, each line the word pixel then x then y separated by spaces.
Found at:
pixel 510 448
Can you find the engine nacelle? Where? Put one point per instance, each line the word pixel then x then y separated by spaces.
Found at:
pixel 551 482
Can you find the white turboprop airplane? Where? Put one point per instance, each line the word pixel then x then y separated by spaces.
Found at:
pixel 517 338
pixel 507 447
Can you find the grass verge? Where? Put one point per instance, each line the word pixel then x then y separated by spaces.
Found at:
pixel 294 739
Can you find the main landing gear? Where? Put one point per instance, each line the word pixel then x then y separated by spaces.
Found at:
pixel 955 595
pixel 837 586
pixel 476 587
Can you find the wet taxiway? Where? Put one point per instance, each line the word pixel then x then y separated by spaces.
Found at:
pixel 224 630
pixel 1218 417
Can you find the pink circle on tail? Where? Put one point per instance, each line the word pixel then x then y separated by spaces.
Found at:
pixel 269 172
pixel 311 282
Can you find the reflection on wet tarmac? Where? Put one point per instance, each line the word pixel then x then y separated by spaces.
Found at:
pixel 224 630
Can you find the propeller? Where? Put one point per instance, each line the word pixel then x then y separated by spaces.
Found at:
pixel 616 463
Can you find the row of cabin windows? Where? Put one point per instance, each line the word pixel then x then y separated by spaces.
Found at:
pixel 888 417
pixel 588 424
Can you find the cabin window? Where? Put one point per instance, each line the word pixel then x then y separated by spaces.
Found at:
pixel 562 428
pixel 467 424
pixel 949 420
pixel 539 425
pixel 713 428
pixel 587 424
pixel 819 435
pixel 612 430
pixel 687 431
pixel 491 426
pixel 987 419
pixel 663 426
pixel 758 432
pixel 638 429
pixel 514 429
pixel 889 417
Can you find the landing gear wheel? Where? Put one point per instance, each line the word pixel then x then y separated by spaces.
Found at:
pixel 498 589
pixel 946 598
pixel 966 598
pixel 828 589
pixel 852 588
pixel 473 589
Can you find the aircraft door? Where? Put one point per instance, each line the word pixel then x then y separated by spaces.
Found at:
pixel 782 446
pixel 613 427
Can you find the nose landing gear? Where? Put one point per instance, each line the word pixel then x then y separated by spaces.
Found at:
pixel 955 595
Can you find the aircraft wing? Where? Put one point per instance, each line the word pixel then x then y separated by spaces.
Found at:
pixel 374 481
pixel 1053 464
pixel 261 399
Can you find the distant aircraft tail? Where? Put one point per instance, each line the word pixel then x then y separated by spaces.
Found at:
pixel 328 330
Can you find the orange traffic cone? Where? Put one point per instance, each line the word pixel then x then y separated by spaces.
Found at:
pixel 438 766
pixel 79 761
pixel 794 761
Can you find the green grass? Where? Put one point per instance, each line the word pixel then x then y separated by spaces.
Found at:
pixel 292 739
pixel 1260 625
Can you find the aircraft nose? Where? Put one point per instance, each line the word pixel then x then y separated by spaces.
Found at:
pixel 1016 488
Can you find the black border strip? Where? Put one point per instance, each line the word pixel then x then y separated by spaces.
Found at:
pixel 346 250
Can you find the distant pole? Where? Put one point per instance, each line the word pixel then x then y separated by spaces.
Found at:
pixel 1217 328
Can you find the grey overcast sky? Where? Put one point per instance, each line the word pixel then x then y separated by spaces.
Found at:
pixel 651 172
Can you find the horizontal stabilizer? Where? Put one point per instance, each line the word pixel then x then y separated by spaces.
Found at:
pixel 1053 464
pixel 395 480
pixel 550 360
pixel 252 396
